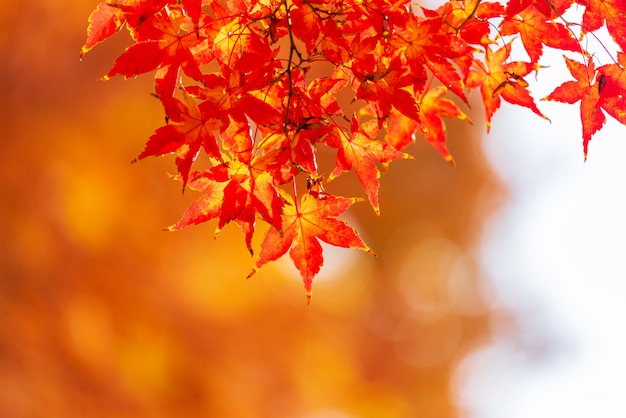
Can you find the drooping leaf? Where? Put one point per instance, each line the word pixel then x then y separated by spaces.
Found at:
pixel 306 25
pixel 385 87
pixel 612 88
pixel 514 7
pixel 161 45
pixel 303 225
pixel 361 151
pixel 469 19
pixel 191 126
pixel 104 22
pixel 500 78
pixel 586 88
pixel 536 30
pixel 207 207
pixel 253 89
pixel 611 12
pixel 428 43
pixel 433 107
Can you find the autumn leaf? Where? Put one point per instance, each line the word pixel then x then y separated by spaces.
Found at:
pixel 612 88
pixel 514 7
pixel 234 191
pixel 161 45
pixel 138 12
pixel 208 206
pixel 616 76
pixel 253 90
pixel 361 151
pixel 433 106
pixel 400 130
pixel 500 78
pixel 586 88
pixel 306 25
pixel 190 127
pixel 535 31
pixel 428 43
pixel 303 225
pixel 384 85
pixel 469 19
pixel 193 9
pixel 104 22
pixel 611 12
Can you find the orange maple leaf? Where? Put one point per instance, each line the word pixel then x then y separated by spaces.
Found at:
pixel 612 88
pixel 502 78
pixel 537 30
pixel 613 12
pixel 429 43
pixel 362 151
pixel 514 7
pixel 166 44
pixel 302 227
pixel 233 191
pixel 586 88
pixel 433 106
pixel 104 22
pixel 469 19
pixel 193 127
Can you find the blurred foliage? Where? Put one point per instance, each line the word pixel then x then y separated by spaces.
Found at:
pixel 105 315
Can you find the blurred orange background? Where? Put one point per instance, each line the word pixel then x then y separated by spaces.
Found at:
pixel 105 315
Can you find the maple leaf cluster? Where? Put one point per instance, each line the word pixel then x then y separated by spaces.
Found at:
pixel 258 86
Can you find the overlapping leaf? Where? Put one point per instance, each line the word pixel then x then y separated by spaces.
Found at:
pixel 304 224
pixel 433 107
pixel 167 43
pixel 190 127
pixel 611 12
pixel 361 151
pixel 428 43
pixel 591 89
pixel 500 78
pixel 104 22
pixel 536 31
pixel 255 87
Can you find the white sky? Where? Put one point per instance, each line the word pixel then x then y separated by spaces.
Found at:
pixel 556 255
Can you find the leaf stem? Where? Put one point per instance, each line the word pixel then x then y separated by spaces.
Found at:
pixel 292 49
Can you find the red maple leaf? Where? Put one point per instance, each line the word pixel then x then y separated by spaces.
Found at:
pixel 429 43
pixel 255 86
pixel 514 7
pixel 498 78
pixel 585 90
pixel 163 41
pixel 305 24
pixel 138 11
pixel 536 30
pixel 362 151
pixel 190 127
pixel 234 191
pixel 612 88
pixel 469 18
pixel 303 225
pixel 385 86
pixel 613 12
pixel 208 206
pixel 432 107
pixel 104 22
